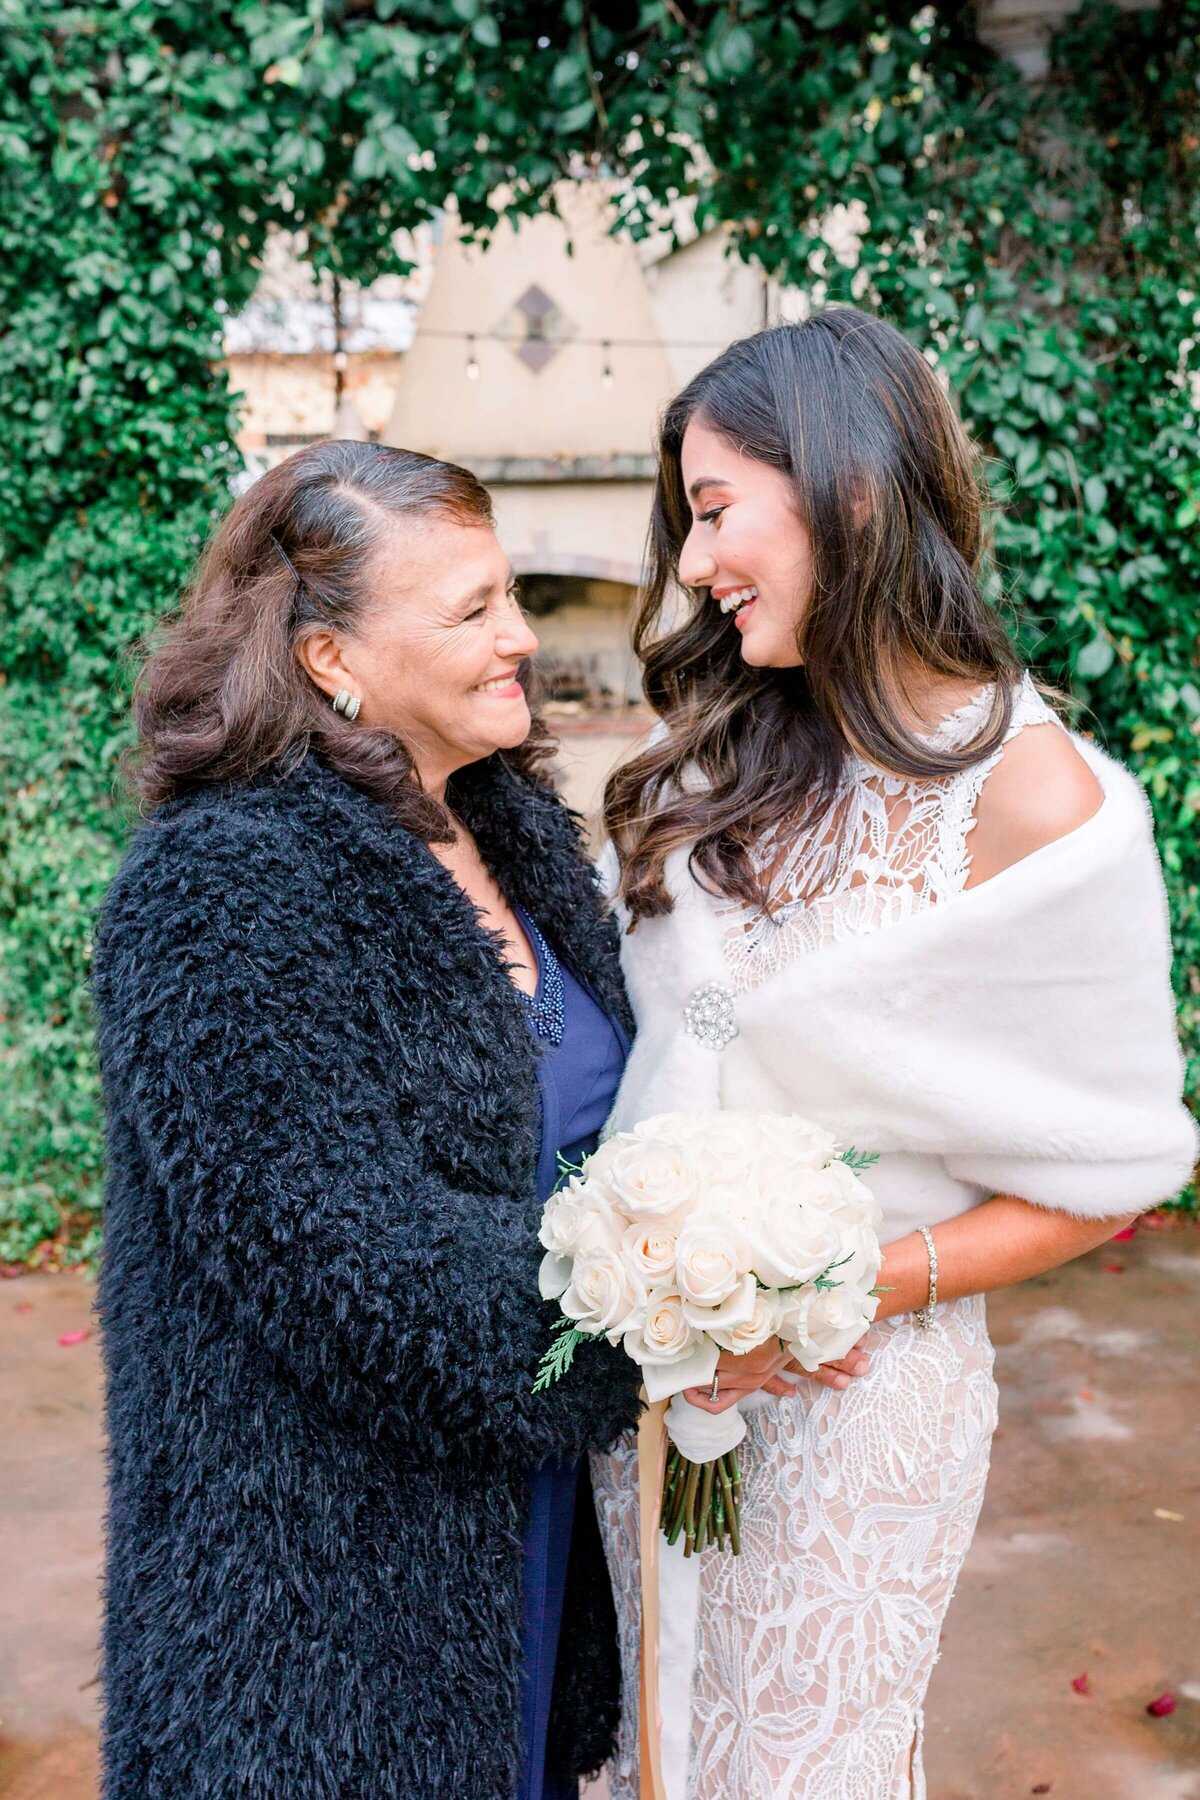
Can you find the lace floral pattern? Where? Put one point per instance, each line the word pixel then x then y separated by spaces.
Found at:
pixel 889 848
pixel 815 1645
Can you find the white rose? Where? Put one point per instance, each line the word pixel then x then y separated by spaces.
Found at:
pixel 792 1242
pixel 821 1327
pixel 797 1139
pixel 576 1219
pixel 752 1331
pixel 849 1200
pixel 770 1172
pixel 735 1309
pixel 711 1259
pixel 554 1275
pixel 598 1166
pixel 859 1260
pixel 664 1335
pixel 729 1141
pixel 649 1250
pixel 653 1181
pixel 735 1198
pixel 603 1295
pixel 672 1355
pixel 670 1128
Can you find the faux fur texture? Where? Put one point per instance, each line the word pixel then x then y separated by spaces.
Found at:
pixel 320 1304
pixel 1019 1039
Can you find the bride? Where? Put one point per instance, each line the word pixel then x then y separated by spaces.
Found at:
pixel 919 911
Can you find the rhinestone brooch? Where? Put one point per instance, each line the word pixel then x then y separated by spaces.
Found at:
pixel 708 1015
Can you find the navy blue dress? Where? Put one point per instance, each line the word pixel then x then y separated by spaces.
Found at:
pixel 584 1052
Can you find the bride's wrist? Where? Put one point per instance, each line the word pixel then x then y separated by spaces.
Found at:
pixel 903 1282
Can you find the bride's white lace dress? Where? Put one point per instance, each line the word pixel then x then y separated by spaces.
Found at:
pixel 812 1651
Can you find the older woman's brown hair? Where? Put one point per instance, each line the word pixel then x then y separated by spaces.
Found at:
pixel 223 696
pixel 885 482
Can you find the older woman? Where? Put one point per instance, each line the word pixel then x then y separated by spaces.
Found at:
pixel 356 993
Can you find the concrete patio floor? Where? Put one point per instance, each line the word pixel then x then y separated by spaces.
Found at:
pixel 1087 1559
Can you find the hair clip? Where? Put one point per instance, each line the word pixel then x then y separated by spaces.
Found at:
pixel 288 564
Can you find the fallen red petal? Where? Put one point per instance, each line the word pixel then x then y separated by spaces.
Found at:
pixel 1080 1684
pixel 1115 1268
pixel 73 1337
pixel 1123 1237
pixel 1043 1787
pixel 1163 1707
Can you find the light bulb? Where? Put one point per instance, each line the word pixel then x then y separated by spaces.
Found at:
pixel 472 361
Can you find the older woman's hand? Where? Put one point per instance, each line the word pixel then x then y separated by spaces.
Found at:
pixel 773 1370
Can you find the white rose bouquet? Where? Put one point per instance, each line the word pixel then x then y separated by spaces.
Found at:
pixel 701 1232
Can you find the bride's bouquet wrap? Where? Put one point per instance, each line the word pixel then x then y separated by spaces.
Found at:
pixel 696 1233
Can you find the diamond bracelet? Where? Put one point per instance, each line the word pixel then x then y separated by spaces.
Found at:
pixel 924 1314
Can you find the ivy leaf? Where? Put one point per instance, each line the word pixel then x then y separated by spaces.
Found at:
pixel 369 160
pixel 833 12
pixel 1046 402
pixel 736 53
pixel 567 71
pixel 1095 659
pixel 577 117
pixel 288 73
pixel 1095 494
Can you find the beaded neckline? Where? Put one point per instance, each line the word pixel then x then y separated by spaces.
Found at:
pixel 545 1007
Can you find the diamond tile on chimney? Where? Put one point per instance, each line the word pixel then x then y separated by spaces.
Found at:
pixel 536 304
pixel 536 327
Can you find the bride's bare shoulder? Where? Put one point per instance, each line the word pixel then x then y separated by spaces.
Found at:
pixel 1040 790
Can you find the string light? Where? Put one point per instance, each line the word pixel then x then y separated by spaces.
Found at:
pixel 569 343
pixel 472 359
pixel 606 374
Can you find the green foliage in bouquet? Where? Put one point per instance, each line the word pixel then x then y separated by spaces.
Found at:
pixel 561 1354
pixel 1041 241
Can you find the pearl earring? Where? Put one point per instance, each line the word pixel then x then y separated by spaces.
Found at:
pixel 346 704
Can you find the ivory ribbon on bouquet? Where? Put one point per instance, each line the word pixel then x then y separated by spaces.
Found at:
pixel 652 1456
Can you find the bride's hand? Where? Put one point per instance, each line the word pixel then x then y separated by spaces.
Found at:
pixel 742 1375
pixel 774 1371
pixel 832 1374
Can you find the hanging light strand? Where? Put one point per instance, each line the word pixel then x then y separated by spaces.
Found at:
pixel 565 343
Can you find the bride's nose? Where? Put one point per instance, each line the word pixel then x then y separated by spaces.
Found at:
pixel 697 566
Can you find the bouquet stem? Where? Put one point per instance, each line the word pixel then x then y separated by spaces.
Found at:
pixel 702 1500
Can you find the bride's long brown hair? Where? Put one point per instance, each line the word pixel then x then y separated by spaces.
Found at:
pixel 887 485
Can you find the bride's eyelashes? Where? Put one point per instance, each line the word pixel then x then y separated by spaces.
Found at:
pixel 710 517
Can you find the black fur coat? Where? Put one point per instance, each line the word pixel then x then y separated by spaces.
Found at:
pixel 320 1306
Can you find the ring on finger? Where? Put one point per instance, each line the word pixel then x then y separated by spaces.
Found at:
pixel 715 1390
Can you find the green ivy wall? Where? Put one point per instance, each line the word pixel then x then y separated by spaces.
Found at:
pixel 1042 242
